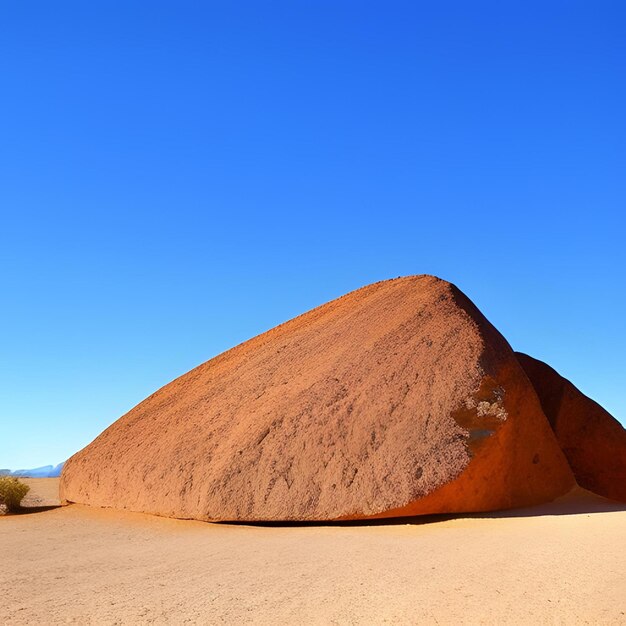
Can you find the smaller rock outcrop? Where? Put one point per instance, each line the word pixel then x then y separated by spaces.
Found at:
pixel 593 441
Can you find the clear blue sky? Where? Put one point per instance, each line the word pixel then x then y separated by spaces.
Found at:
pixel 178 177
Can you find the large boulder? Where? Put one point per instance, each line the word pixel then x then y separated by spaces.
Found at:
pixel 399 398
pixel 593 441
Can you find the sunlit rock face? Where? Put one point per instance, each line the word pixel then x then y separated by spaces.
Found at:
pixel 399 398
pixel 593 441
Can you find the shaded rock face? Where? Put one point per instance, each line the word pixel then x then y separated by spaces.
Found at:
pixel 397 399
pixel 593 441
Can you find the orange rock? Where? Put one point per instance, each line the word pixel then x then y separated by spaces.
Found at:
pixel 593 441
pixel 397 399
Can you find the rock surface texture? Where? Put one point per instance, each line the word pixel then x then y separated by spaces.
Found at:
pixel 399 398
pixel 593 441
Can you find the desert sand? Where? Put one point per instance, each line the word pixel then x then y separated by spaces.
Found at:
pixel 563 562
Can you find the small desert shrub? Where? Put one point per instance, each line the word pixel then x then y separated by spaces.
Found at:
pixel 11 492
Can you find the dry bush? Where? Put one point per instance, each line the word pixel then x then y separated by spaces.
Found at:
pixel 11 492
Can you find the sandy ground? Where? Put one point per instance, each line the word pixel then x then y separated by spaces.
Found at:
pixel 559 563
pixel 43 492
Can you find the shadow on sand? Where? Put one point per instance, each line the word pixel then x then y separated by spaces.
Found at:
pixel 28 510
pixel 578 502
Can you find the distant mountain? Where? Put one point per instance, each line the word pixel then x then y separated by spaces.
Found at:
pixel 47 471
